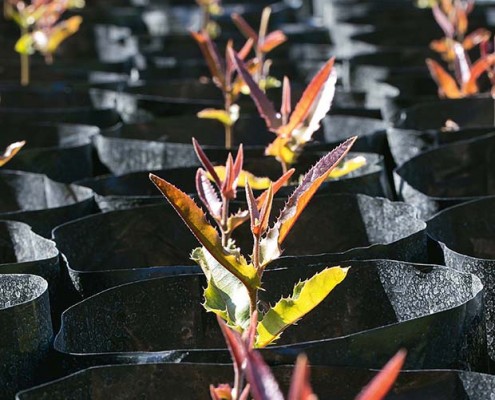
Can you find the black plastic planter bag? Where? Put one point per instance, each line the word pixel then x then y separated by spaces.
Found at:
pixel 40 202
pixel 185 381
pixel 135 189
pixel 466 234
pixel 474 112
pixel 26 331
pixel 63 152
pixel 434 312
pixel 448 175
pixel 406 143
pixel 109 249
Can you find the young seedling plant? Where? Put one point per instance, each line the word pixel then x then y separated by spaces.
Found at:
pixel 295 129
pixel 235 280
pixel 41 28
pixel 222 74
pixel 264 43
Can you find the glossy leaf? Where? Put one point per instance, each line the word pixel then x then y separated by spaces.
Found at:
pixel 308 99
pixel 208 195
pixel 305 297
pixel 447 86
pixel 300 198
pixel 10 152
pixel 381 384
pixel 206 234
pixel 225 295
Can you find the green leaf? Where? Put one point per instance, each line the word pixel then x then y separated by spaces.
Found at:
pixel 195 219
pixel 25 44
pixel 306 296
pixel 225 295
pixel 219 115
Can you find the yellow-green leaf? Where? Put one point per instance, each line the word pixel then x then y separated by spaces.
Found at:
pixel 219 115
pixel 195 219
pixel 225 295
pixel 347 167
pixel 306 296
pixel 256 183
pixel 61 32
pixel 10 152
pixel 25 44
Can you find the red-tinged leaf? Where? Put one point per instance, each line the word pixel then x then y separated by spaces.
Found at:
pixel 300 387
pixel 461 21
pixel 239 161
pixel 206 163
pixel 447 86
pixel 221 392
pixel 228 189
pixel 265 212
pixel 246 49
pixel 273 40
pixel 307 188
pixel 440 45
pixel 254 214
pixel 308 99
pixel 244 27
pixel 235 345
pixel 286 107
pixel 10 152
pixel 277 185
pixel 264 106
pixel 211 56
pixel 479 67
pixel 475 38
pixel 443 21
pixel 208 195
pixel 381 384
pixel 206 234
pixel 260 378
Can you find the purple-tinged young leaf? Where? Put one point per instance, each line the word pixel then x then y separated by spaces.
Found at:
pixel 381 384
pixel 442 21
pixel 244 27
pixel 254 214
pixel 263 104
pixel 300 387
pixel 246 49
pixel 239 161
pixel 262 382
pixel 277 185
pixel 235 345
pixel 206 163
pixel 313 179
pixel 208 195
pixel 211 56
pixel 228 189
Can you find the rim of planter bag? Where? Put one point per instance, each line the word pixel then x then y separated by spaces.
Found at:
pixel 104 185
pixel 412 237
pixel 27 331
pixel 469 380
pixel 31 261
pixel 281 353
pixel 34 216
pixel 428 203
pixel 442 110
